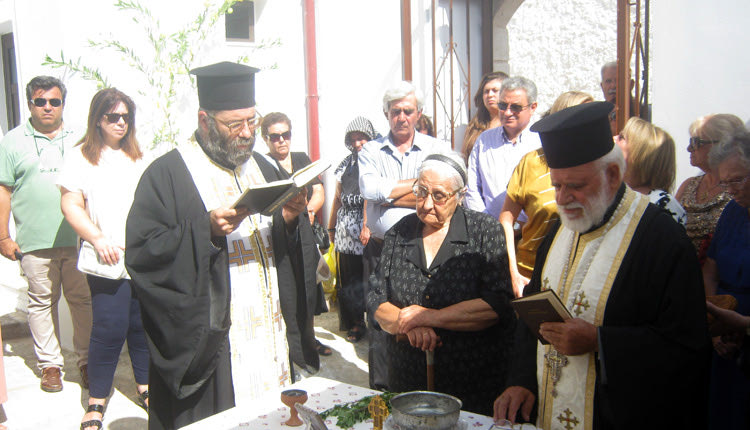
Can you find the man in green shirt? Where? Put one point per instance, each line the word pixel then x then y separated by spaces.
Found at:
pixel 31 156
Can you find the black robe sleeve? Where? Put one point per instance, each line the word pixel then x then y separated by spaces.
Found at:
pixel 180 274
pixel 295 255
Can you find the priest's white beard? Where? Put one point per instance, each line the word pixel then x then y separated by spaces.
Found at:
pixel 592 214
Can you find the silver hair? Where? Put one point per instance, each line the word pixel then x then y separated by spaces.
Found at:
pixel 446 170
pixel 608 65
pixel 520 83
pixel 736 144
pixel 399 91
pixel 614 156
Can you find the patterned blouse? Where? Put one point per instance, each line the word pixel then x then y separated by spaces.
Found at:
pixel 701 217
pixel 349 216
pixel 472 263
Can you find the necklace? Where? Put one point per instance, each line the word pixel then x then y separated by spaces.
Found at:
pixel 707 190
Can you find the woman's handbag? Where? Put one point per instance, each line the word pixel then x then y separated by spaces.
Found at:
pixel 88 262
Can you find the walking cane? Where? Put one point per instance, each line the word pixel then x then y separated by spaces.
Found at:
pixel 430 359
pixel 430 356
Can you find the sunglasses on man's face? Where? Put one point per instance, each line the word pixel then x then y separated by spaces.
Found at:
pixel 113 118
pixel 515 108
pixel 276 137
pixel 42 102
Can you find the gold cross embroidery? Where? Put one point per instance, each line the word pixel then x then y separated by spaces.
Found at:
pixel 240 256
pixel 579 303
pixel 256 322
pixel 545 284
pixel 277 315
pixel 569 420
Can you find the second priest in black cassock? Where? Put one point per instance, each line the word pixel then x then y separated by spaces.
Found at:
pixel 635 353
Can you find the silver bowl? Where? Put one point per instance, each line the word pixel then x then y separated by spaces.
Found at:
pixel 425 410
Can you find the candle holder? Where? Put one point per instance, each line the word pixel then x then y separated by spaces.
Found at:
pixel 289 398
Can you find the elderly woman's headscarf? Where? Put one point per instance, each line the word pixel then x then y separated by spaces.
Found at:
pixel 362 125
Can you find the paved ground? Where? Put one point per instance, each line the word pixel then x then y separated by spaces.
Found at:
pixel 28 407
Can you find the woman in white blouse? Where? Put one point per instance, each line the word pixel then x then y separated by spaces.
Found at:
pixel 97 185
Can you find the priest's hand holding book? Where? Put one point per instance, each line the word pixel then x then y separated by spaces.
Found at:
pixel 574 336
pixel 224 220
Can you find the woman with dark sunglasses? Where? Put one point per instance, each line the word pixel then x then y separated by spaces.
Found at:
pixel 97 183
pixel 702 196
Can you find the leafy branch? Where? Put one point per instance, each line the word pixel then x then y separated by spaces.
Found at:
pixel 164 68
pixel 88 73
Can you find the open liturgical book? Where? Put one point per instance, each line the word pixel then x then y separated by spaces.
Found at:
pixel 538 308
pixel 267 198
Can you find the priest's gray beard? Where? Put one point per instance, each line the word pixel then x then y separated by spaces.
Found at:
pixel 593 211
pixel 226 151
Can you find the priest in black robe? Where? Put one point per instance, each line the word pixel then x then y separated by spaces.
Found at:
pixel 177 255
pixel 635 353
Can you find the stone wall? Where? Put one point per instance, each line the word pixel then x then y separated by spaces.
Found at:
pixel 561 45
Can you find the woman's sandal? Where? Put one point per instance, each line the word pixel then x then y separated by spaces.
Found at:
pixel 94 423
pixel 142 397
pixel 356 333
pixel 323 350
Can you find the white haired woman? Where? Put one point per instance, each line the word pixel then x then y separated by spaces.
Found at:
pixel 443 283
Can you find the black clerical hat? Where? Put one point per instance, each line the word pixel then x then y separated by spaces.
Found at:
pixel 226 86
pixel 576 135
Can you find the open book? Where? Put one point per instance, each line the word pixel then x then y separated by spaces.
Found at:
pixel 538 308
pixel 267 198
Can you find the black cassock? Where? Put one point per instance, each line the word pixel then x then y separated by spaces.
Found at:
pixel 181 277
pixel 654 350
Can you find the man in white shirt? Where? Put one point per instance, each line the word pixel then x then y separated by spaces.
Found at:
pixel 498 150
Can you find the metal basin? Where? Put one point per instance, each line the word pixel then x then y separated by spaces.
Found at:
pixel 425 410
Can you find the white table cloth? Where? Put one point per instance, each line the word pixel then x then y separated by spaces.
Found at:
pixel 270 414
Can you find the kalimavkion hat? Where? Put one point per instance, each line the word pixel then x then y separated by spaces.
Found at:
pixel 576 135
pixel 226 86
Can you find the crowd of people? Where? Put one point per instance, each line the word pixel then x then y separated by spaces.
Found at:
pixel 432 246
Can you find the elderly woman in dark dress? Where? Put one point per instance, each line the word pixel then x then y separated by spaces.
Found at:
pixel 443 282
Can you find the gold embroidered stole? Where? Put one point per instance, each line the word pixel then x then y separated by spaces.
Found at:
pixel 581 270
pixel 257 336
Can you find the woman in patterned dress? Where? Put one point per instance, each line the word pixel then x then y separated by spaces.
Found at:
pixel 702 196
pixel 443 285
pixel 349 233
pixel 649 154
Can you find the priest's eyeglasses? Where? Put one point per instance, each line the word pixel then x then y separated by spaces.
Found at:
pixel 734 183
pixel 515 108
pixel 697 142
pixel 237 126
pixel 438 197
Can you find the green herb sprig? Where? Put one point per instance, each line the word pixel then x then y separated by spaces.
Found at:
pixel 349 414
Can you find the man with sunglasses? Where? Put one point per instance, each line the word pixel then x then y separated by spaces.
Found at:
pixel 227 297
pixel 387 171
pixel 498 150
pixel 45 244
